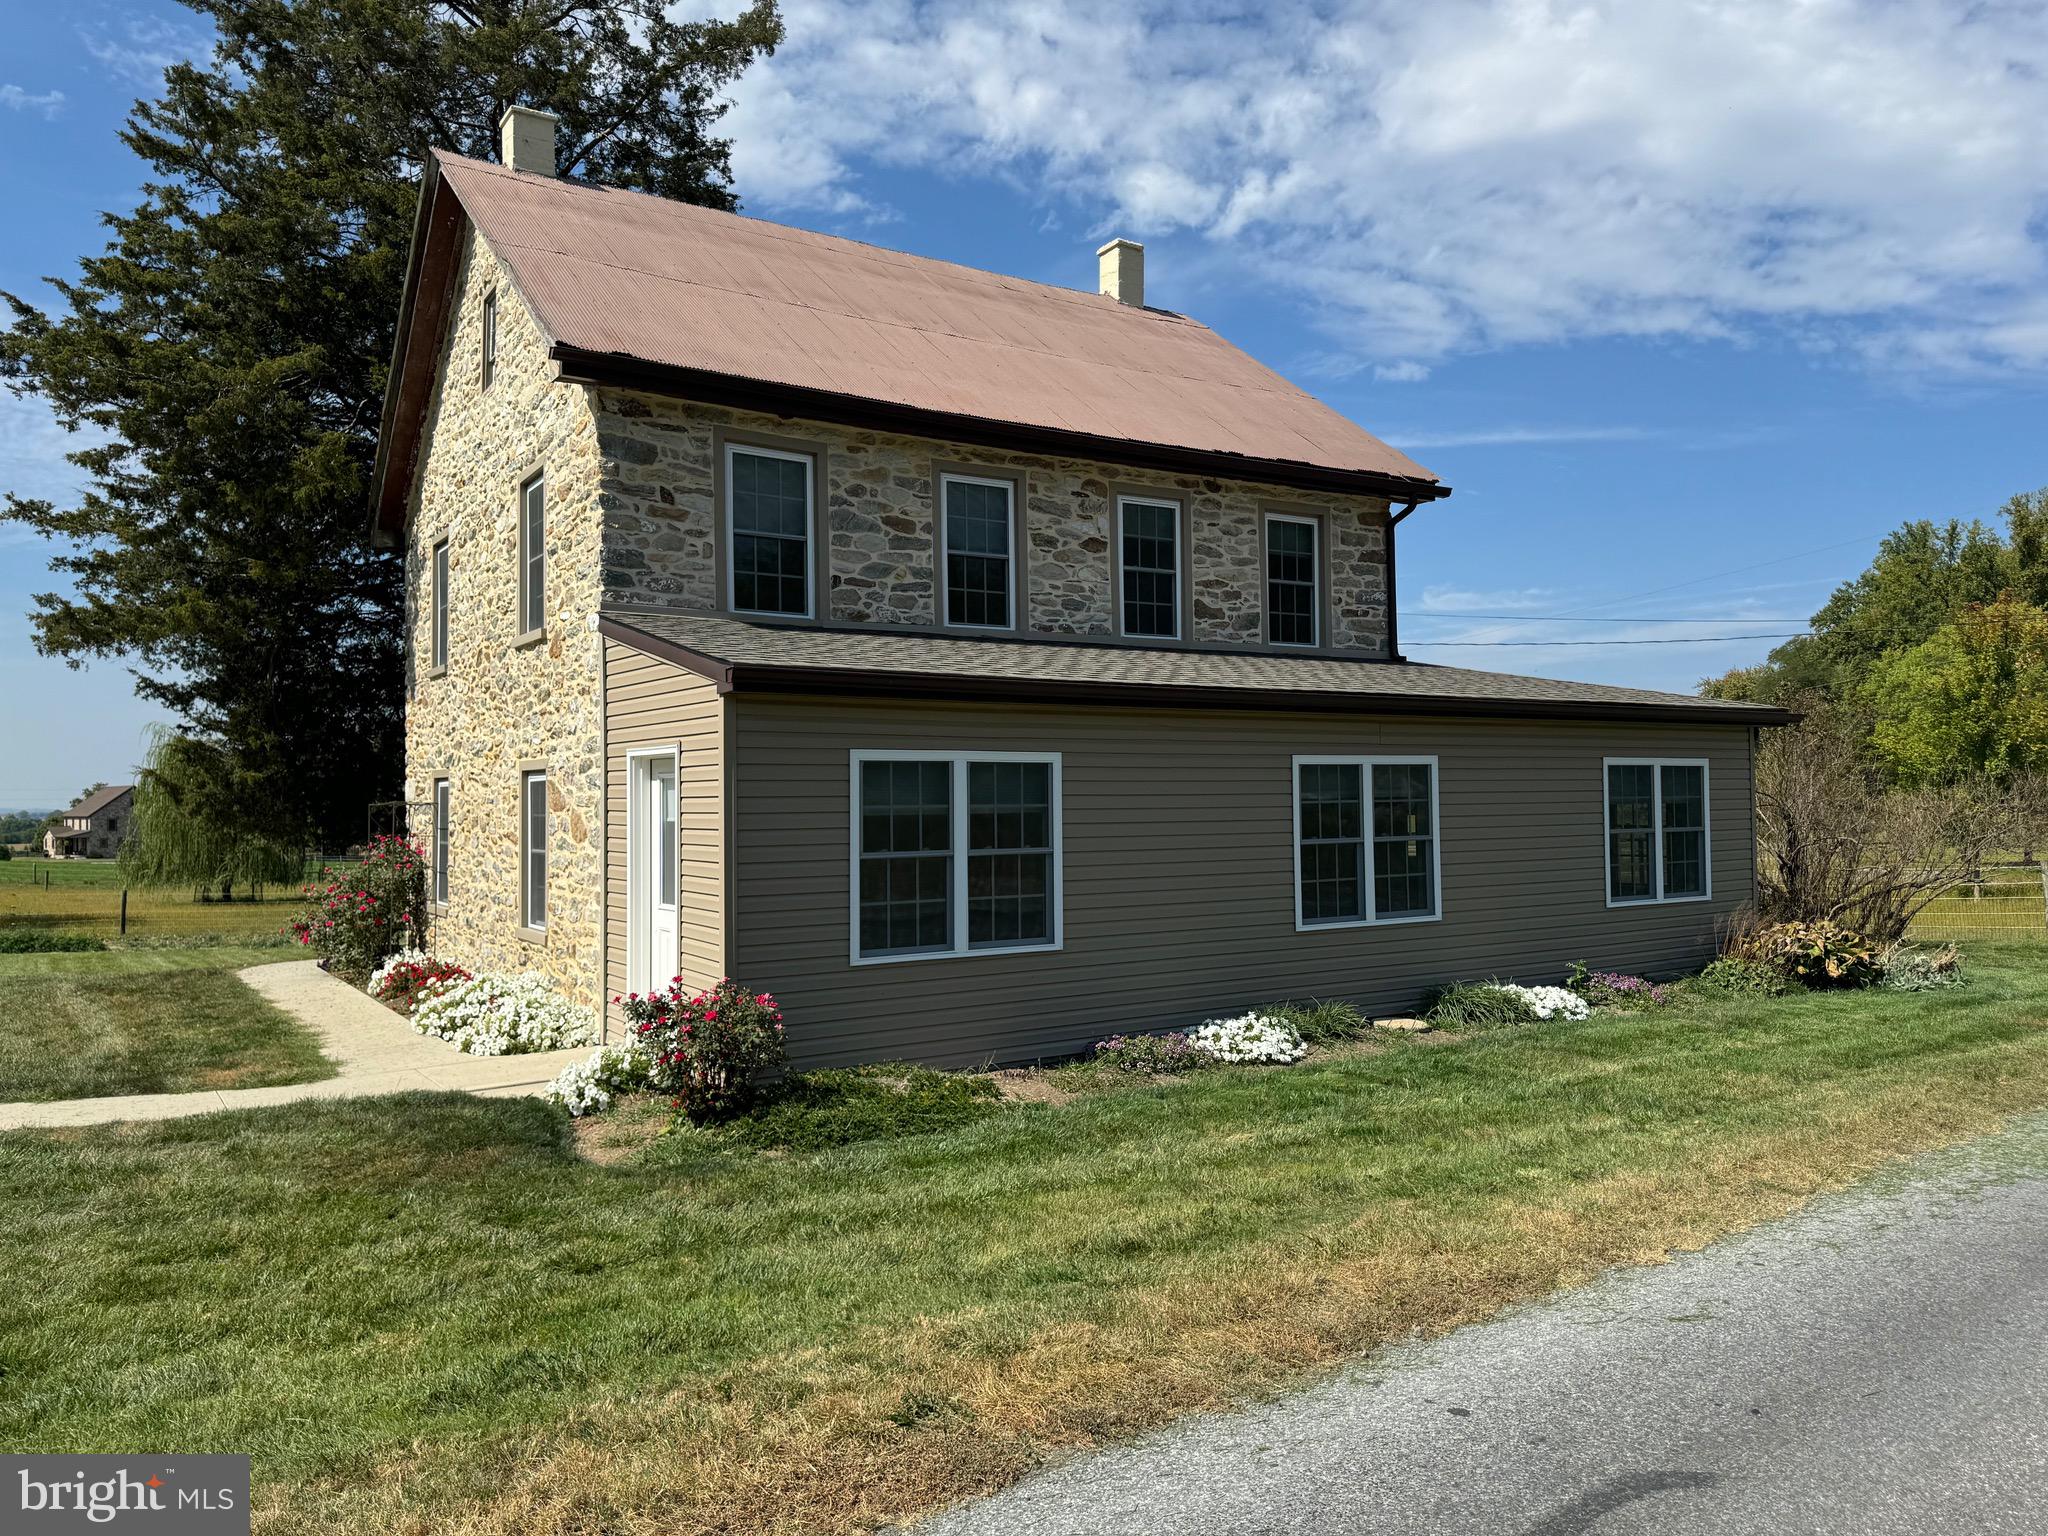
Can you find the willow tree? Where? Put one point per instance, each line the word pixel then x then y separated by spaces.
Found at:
pixel 190 825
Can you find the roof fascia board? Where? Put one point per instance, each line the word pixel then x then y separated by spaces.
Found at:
pixel 579 366
pixel 718 671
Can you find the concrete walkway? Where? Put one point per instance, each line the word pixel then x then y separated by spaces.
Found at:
pixel 373 1049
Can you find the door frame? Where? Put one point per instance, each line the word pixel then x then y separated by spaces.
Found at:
pixel 639 875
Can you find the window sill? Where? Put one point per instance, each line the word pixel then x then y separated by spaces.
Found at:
pixel 1367 922
pixel 434 672
pixel 531 637
pixel 958 954
pixel 1659 901
pixel 530 935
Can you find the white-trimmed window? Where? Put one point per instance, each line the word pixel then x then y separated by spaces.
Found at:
pixel 438 596
pixel 533 849
pixel 954 853
pixel 489 341
pixel 1149 560
pixel 533 552
pixel 1657 831
pixel 1365 841
pixel 978 551
pixel 1294 579
pixel 768 531
pixel 443 804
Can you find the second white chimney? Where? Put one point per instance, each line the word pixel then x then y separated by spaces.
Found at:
pixel 526 140
pixel 1123 272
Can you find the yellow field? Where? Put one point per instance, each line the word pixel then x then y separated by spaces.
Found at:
pixel 84 896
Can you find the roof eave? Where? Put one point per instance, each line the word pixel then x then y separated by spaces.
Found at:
pixel 580 366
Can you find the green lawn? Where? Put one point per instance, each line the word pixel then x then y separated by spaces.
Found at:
pixel 84 896
pixel 429 1313
pixel 76 1026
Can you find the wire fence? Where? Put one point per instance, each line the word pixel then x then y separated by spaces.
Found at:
pixel 2010 902
pixel 86 896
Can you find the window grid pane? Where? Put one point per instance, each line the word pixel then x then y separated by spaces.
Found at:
pixel 442 800
pixel 1009 854
pixel 1403 838
pixel 1332 836
pixel 533 547
pixel 1632 839
pixel 978 531
pixel 1290 582
pixel 1685 830
pixel 440 598
pixel 490 338
pixel 1151 561
pixel 536 850
pixel 771 499
pixel 906 863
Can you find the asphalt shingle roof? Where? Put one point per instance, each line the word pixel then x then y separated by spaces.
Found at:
pixel 744 654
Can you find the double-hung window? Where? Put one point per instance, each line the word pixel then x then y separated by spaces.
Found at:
pixel 438 595
pixel 1365 840
pixel 489 341
pixel 1656 830
pixel 1149 564
pixel 443 803
pixel 978 551
pixel 769 530
pixel 954 853
pixel 533 552
pixel 1294 581
pixel 533 850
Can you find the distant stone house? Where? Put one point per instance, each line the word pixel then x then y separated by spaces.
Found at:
pixel 983 666
pixel 93 828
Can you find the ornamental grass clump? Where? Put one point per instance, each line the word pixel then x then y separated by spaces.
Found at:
pixel 1250 1038
pixel 1484 1004
pixel 1322 1021
pixel 357 915
pixel 493 1015
pixel 708 1048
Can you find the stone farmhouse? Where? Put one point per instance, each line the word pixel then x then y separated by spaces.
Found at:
pixel 94 827
pixel 982 666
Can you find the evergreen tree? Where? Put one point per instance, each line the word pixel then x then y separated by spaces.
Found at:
pixel 230 346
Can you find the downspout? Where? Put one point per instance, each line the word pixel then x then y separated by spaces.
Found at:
pixel 604 837
pixel 1393 605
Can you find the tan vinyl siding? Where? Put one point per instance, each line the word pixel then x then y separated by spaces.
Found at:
pixel 652 704
pixel 1179 869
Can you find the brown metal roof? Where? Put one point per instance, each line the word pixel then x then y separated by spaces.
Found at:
pixel 647 283
pixel 743 656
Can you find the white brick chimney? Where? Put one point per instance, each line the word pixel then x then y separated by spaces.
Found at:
pixel 526 140
pixel 1123 272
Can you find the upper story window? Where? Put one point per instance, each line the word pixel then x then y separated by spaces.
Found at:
pixel 978 551
pixel 1149 563
pixel 1365 840
pixel 768 528
pixel 954 853
pixel 438 596
pixel 533 513
pixel 1293 579
pixel 489 340
pixel 533 850
pixel 1656 830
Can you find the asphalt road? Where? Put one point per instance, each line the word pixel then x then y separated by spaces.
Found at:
pixel 1877 1363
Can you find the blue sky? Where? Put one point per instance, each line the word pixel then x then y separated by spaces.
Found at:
pixel 1690 303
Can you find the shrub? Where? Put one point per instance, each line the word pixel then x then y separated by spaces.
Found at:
pixel 355 917
pixel 1173 1052
pixel 1814 954
pixel 404 976
pixel 491 1015
pixel 44 941
pixel 1904 968
pixel 588 1087
pixel 1749 978
pixel 1320 1021
pixel 1249 1038
pixel 811 1111
pixel 1615 989
pixel 708 1047
pixel 1482 1004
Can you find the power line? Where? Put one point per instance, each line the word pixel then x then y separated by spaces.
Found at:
pixel 1565 618
pixel 1675 640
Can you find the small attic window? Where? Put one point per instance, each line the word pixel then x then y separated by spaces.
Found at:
pixel 490 337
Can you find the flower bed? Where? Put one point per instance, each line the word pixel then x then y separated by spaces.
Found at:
pixel 407 976
pixel 493 1015
pixel 1250 1037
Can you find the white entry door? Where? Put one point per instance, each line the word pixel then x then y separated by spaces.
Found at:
pixel 652 828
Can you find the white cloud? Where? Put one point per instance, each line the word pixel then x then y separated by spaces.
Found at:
pixel 49 103
pixel 145 47
pixel 1460 600
pixel 1863 175
pixel 33 465
pixel 1497 437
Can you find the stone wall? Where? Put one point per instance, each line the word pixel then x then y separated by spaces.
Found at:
pixel 499 705
pixel 660 527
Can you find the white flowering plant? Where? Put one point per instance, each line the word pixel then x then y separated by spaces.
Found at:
pixel 495 1015
pixel 1552 1002
pixel 588 1087
pixel 1250 1037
